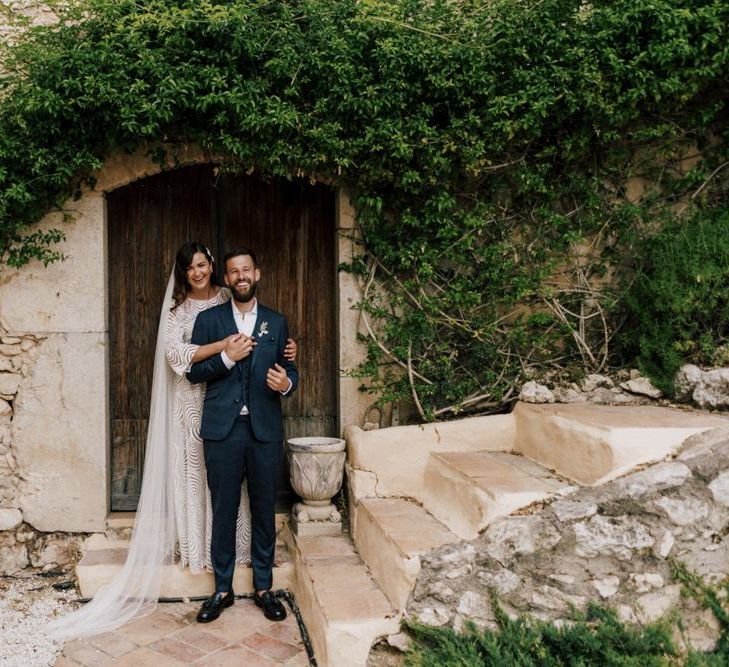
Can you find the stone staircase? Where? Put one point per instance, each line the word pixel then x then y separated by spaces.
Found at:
pixel 414 488
pixel 468 490
pixel 105 554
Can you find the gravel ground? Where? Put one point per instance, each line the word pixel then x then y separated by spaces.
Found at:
pixel 27 603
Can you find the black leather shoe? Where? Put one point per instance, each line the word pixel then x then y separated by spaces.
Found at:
pixel 273 610
pixel 213 606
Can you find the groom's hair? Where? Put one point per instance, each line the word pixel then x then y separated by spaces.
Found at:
pixel 237 253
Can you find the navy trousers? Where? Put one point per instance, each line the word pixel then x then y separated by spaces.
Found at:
pixel 229 463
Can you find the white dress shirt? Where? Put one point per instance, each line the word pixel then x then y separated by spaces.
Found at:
pixel 246 322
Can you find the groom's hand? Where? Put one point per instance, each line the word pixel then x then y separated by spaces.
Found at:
pixel 276 378
pixel 239 347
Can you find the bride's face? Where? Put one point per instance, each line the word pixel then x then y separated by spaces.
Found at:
pixel 198 273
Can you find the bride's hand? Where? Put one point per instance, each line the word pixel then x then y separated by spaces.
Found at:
pixel 291 349
pixel 224 343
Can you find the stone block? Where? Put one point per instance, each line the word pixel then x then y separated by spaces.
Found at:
pixel 60 435
pixel 67 296
pixel 719 488
pixel 593 444
pixel 10 518
pixel 9 383
pixel 513 536
pixel 611 536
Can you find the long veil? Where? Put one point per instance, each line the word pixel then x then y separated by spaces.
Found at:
pixel 135 590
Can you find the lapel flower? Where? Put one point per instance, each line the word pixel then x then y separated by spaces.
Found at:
pixel 263 330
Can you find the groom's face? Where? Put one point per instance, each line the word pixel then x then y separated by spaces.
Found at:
pixel 242 276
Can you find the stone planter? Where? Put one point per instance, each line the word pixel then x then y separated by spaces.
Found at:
pixel 316 468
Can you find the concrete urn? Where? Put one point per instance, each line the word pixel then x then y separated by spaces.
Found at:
pixel 316 469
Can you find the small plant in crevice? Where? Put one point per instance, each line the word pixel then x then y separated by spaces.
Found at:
pixel 714 598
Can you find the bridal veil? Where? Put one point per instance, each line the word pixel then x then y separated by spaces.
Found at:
pixel 134 591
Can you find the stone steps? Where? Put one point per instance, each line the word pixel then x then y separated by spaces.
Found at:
pixel 594 444
pixel 468 490
pixel 104 559
pixel 105 554
pixel 390 535
pixel 343 608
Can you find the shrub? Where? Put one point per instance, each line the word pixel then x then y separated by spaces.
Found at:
pixel 677 303
pixel 596 638
pixel 483 140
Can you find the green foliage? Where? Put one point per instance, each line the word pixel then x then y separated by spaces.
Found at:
pixel 712 598
pixel 677 303
pixel 594 638
pixel 484 140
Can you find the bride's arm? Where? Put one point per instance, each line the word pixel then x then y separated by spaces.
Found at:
pixel 180 355
pixel 211 349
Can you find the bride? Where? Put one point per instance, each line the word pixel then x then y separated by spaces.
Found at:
pixel 174 516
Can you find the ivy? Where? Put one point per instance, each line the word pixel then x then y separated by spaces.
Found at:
pixel 490 146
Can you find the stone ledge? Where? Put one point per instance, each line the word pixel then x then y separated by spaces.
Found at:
pixel 468 490
pixel 100 565
pixel 594 444
pixel 344 610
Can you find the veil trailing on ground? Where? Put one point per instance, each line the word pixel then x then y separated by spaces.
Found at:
pixel 135 590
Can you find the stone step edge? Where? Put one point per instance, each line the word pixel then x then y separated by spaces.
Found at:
pixel 362 506
pixel 403 567
pixel 470 481
pixel 335 642
pixel 486 506
pixel 175 581
pixel 481 503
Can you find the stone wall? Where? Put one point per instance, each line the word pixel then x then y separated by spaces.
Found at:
pixel 613 544
pixel 16 357
pixel 20 544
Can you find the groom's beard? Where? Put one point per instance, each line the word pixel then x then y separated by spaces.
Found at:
pixel 244 296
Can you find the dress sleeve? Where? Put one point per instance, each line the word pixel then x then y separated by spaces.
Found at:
pixel 178 349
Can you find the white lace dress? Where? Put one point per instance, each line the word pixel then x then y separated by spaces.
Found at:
pixel 192 496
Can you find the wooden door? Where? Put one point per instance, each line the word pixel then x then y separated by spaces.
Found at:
pixel 291 228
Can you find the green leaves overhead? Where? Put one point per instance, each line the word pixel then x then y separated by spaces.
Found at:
pixel 483 140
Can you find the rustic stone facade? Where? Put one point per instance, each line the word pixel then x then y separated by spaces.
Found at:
pixel 612 543
pixel 54 419
pixel 20 544
pixel 16 357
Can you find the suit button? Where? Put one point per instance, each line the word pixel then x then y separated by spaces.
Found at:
pixel 237 400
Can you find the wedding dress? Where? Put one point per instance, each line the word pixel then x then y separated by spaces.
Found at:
pixel 173 515
pixel 193 511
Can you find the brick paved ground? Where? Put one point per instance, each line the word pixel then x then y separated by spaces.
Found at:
pixel 171 636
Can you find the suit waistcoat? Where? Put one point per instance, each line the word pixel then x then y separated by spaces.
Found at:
pixel 244 368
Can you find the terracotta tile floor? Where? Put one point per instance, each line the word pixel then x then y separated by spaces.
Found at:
pixel 171 636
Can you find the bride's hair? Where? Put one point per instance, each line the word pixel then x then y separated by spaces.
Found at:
pixel 183 259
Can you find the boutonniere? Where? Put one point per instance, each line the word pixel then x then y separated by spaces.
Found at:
pixel 263 329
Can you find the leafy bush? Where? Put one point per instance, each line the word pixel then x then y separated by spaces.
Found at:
pixel 488 144
pixel 677 303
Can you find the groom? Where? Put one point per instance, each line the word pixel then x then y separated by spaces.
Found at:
pixel 242 427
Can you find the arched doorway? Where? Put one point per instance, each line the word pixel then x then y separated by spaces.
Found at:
pixel 290 225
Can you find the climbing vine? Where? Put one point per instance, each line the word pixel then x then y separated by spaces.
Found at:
pixel 495 149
